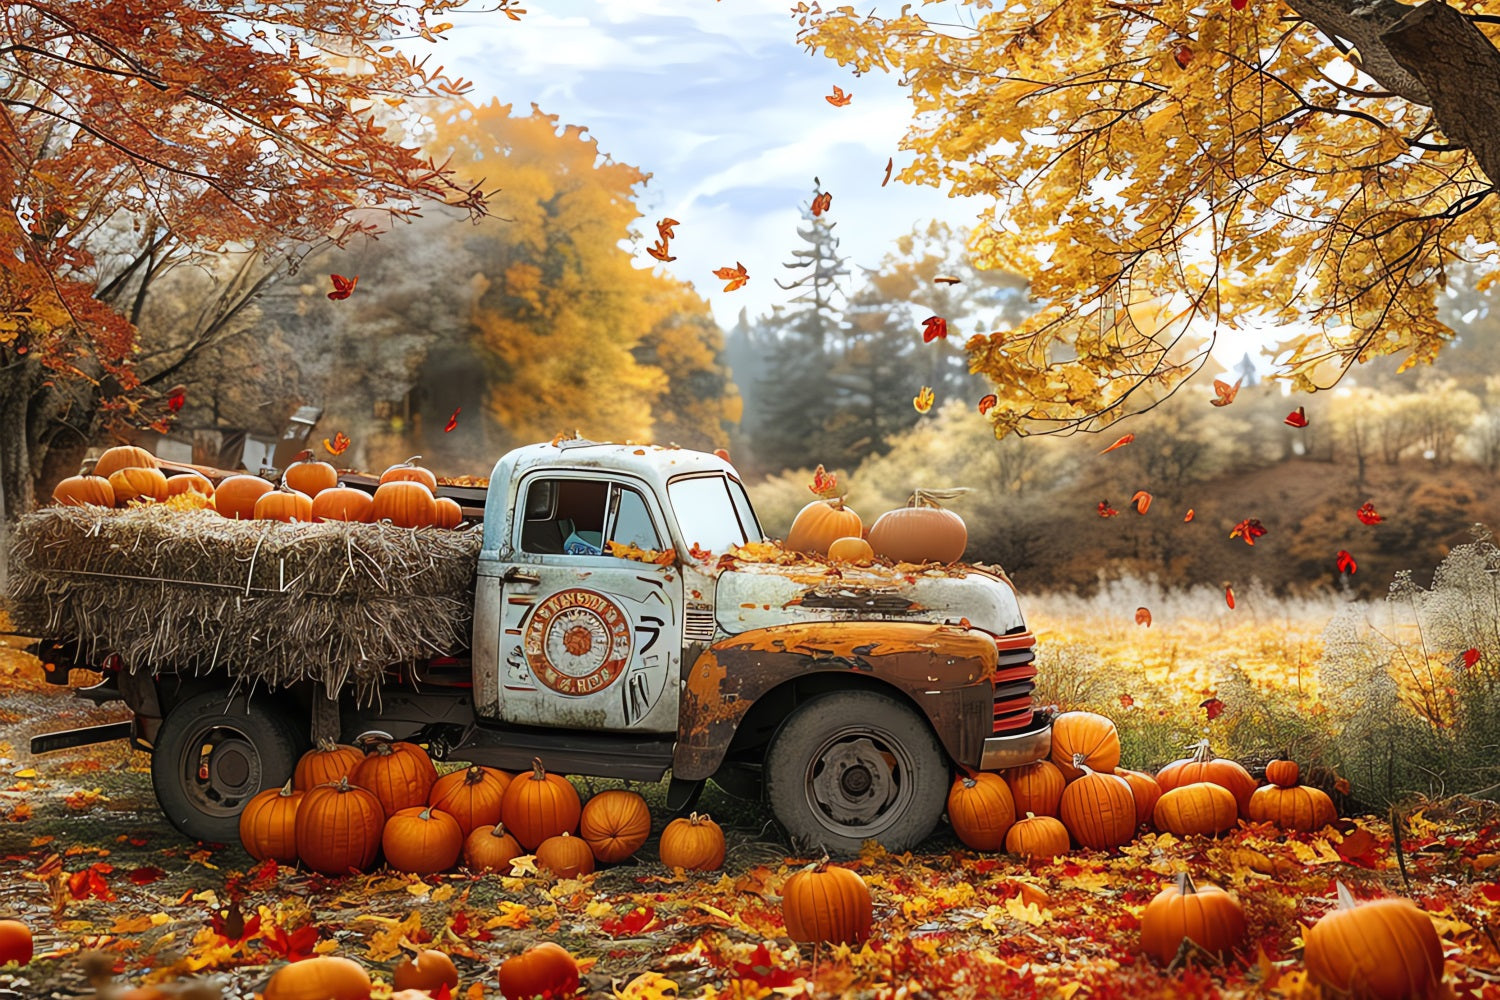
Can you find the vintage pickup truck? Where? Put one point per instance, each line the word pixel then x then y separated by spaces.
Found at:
pixel 847 697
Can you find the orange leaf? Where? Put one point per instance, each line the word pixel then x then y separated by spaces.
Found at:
pixel 934 327
pixel 1119 444
pixel 1225 392
pixel 659 251
pixel 339 445
pixel 1142 501
pixel 665 229
pixel 838 98
pixel 1249 529
pixel 889 163
pixel 735 276
pixel 825 484
pixel 987 403
pixel 1188 516
pixel 821 202
pixel 923 400
pixel 1143 616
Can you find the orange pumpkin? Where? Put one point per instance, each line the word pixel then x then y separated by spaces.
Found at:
pixel 310 477
pixel 1204 914
pixel 124 456
pixel 491 850
pixel 853 550
pixel 75 491
pixel 615 824
pixel 447 513
pixel 694 842
pixel 1146 792
pixel 284 504
pixel 268 824
pixel 981 810
pixel 325 764
pixel 1038 837
pixel 136 483
pixel 189 482
pixel 410 472
pixel 542 972
pixel 235 498
pixel 1386 949
pixel 1201 808
pixel 405 504
pixel 422 840
pixel 565 856
pixel 1204 766
pixel 339 828
pixel 540 805
pixel 322 977
pixel 1098 809
pixel 1086 733
pixel 400 775
pixel 428 970
pixel 1036 787
pixel 920 532
pixel 471 796
pixel 1284 773
pixel 15 942
pixel 343 503
pixel 1297 808
pixel 820 524
pixel 827 903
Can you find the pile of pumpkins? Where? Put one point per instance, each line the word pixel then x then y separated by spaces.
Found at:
pixel 309 492
pixel 920 532
pixel 343 809
pixel 544 971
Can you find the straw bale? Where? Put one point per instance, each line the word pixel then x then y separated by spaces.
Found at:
pixel 193 592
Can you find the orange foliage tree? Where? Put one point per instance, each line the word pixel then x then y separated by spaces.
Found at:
pixel 141 133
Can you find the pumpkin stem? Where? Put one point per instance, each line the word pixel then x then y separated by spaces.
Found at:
pixel 969 781
pixel 499 831
pixel 935 498
pixel 1201 752
pixel 343 785
pixel 698 819
pixel 286 789
pixel 1081 762
pixel 425 814
pixel 538 772
pixel 1346 898
pixel 475 775
pixel 1185 885
pixel 412 461
pixel 1030 814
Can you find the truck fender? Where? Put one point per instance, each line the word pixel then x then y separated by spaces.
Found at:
pixel 944 670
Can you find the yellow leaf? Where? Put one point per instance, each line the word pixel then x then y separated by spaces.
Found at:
pixel 442 893
pixel 524 865
pixel 647 986
pixel 512 915
pixel 26 772
pixel 1028 913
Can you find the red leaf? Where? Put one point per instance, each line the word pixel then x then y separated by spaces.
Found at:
pixel 452 421
pixel 1239 4
pixel 821 203
pixel 1471 657
pixel 1298 417
pixel 145 874
pixel 1491 892
pixel 1249 529
pixel 342 287
pixel 764 970
pixel 90 884
pixel 1143 616
pixel 1213 706
pixel 1359 848
pixel 338 446
pixel 1184 56
pixel 934 327
pixel 1105 510
pixel 293 947
pixel 176 398
pixel 642 918
pixel 1346 563
pixel 1229 596
pixel 1126 701
pixel 987 403
pixel 1367 514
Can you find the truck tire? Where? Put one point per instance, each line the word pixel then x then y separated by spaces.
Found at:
pixel 854 766
pixel 213 755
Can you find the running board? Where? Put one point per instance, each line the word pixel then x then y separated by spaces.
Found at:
pixel 638 758
pixel 67 738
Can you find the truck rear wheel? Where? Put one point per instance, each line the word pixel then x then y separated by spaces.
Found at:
pixel 855 766
pixel 213 755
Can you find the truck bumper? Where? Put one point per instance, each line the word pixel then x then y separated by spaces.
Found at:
pixel 1023 746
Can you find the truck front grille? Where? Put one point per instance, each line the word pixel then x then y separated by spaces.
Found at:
pixel 1014 680
pixel 698 625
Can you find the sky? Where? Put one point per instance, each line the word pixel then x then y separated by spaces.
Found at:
pixel 717 101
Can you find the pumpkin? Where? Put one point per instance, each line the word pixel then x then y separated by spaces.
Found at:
pixel 75 491
pixel 1098 809
pixel 1284 773
pixel 284 504
pixel 343 503
pixel 325 764
pixel 137 484
pixel 1038 837
pixel 309 476
pixel 826 903
pixel 542 972
pixel 540 805
pixel 1200 808
pixel 425 970
pixel 15 942
pixel 615 824
pixel 1297 808
pixel 124 456
pixel 693 842
pixel 491 850
pixel 235 498
pixel 447 513
pixel 1382 950
pixel 920 532
pixel 400 774
pixel 1036 787
pixel 322 977
pixel 853 550
pixel 1204 914
pixel 268 824
pixel 981 810
pixel 410 472
pixel 820 524
pixel 1146 792
pixel 1086 733
pixel 422 840
pixel 565 856
pixel 338 828
pixel 189 482
pixel 1204 766
pixel 405 504
pixel 471 796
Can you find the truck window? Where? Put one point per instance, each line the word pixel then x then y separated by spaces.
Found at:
pixel 707 515
pixel 575 516
pixel 632 520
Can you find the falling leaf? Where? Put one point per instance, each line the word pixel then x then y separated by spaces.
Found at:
pixel 838 98
pixel 1143 616
pixel 821 203
pixel 1471 657
pixel 1367 513
pixel 1119 444
pixel 987 403
pixel 339 445
pixel 824 484
pixel 1225 392
pixel 1229 596
pixel 934 327
pixel 1105 510
pixel 923 400
pixel 1249 529
pixel 946 279
pixel 735 276
pixel 889 163
pixel 1188 516
pixel 342 287
pixel 1142 501
pixel 1213 706
pixel 1345 563
pixel 176 398
pixel 1297 418
pixel 452 421
pixel 665 229
pixel 659 251
pixel 1127 701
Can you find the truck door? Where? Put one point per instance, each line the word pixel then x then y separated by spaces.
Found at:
pixel 588 639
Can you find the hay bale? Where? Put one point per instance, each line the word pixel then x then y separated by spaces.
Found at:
pixel 192 592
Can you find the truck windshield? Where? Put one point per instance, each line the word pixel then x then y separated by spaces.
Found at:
pixel 713 512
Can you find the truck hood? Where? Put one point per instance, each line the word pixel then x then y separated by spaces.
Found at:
pixel 760 595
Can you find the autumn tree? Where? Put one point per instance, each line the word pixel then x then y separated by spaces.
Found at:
pixel 1237 163
pixel 141 135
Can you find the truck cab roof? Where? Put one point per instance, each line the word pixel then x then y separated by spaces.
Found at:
pixel 654 463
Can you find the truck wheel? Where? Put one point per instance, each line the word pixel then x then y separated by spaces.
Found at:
pixel 855 766
pixel 213 755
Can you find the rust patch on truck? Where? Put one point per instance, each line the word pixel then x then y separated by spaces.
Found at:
pixel 945 669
